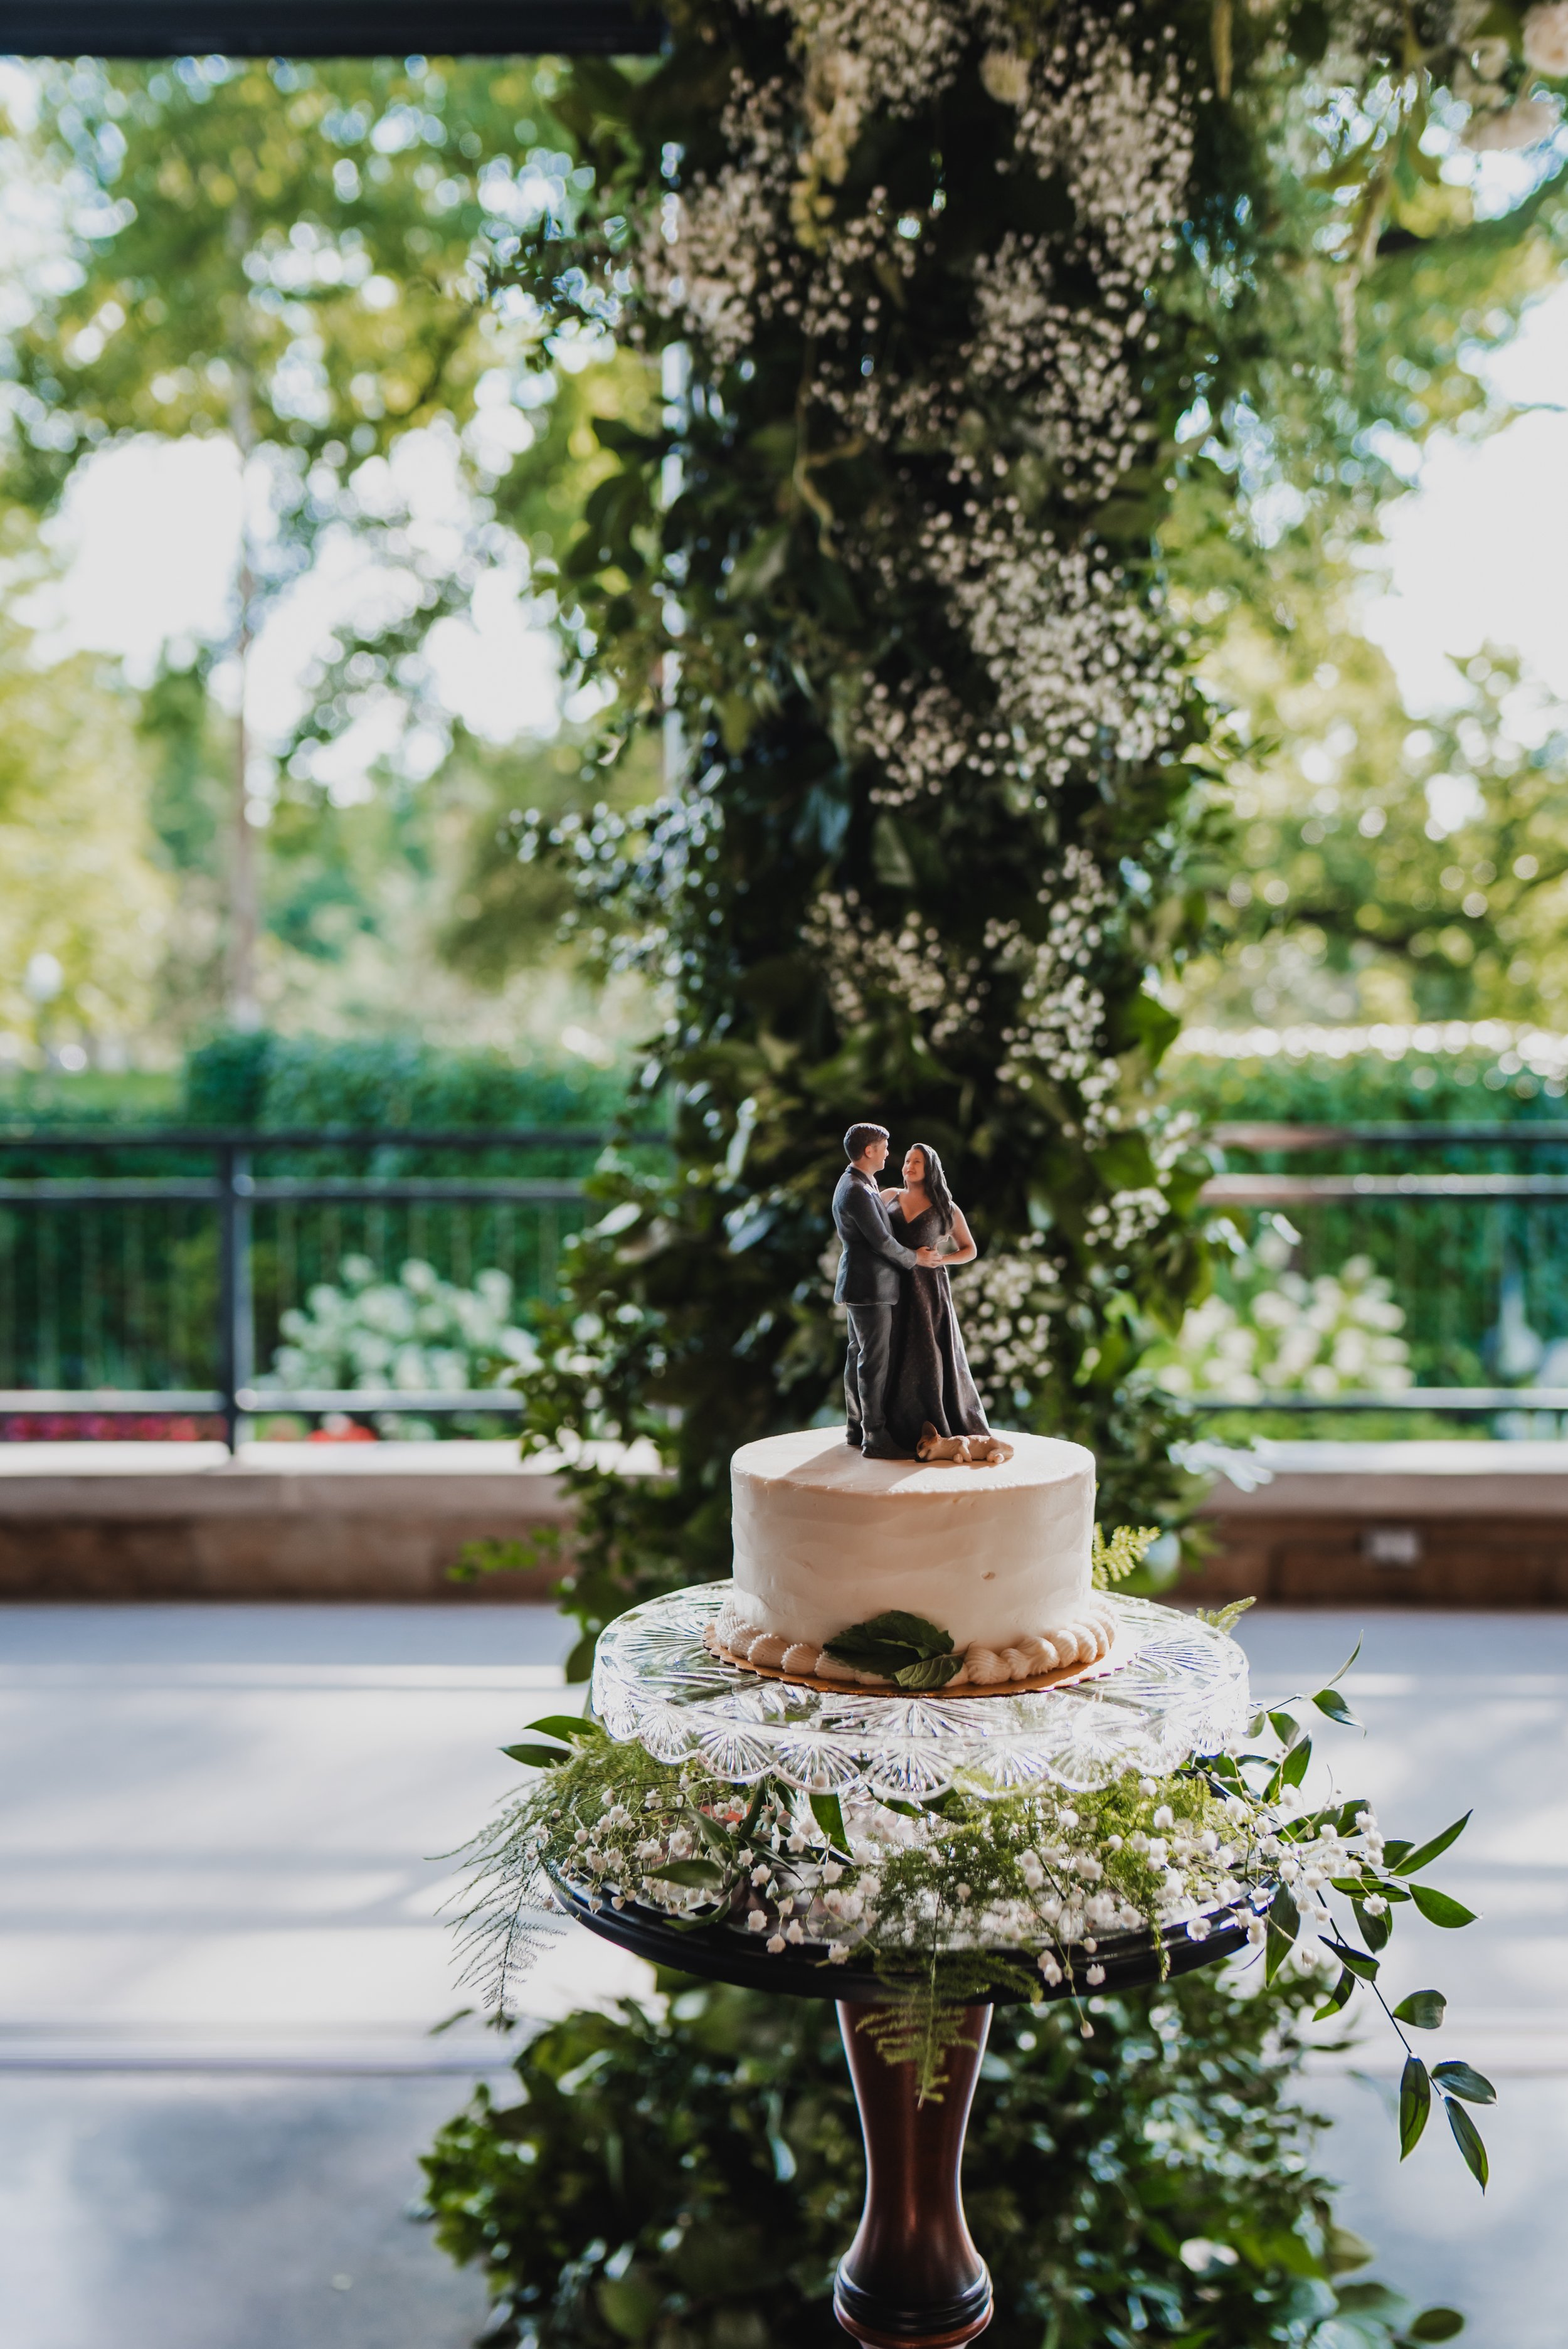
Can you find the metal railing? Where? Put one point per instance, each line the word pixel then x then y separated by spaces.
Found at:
pixel 227 1196
pixel 234 1191
pixel 1467 1187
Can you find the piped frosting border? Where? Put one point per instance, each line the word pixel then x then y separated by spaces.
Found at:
pixel 1085 1638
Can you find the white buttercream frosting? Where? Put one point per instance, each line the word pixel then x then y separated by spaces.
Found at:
pixel 998 1556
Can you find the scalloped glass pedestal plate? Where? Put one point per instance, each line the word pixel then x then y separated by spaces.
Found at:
pixel 1170 1687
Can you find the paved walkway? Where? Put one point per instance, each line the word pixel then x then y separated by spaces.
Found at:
pixel 220 1956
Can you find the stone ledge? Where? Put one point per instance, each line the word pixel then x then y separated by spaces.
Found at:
pixel 279 1521
pixel 1479 1524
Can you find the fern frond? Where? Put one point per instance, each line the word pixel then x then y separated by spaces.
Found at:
pixel 1114 1560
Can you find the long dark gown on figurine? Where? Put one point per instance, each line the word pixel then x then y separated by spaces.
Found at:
pixel 930 1378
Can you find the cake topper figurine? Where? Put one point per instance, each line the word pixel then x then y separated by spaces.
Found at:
pixel 908 1390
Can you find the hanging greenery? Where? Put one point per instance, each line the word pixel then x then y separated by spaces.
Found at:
pixel 967 319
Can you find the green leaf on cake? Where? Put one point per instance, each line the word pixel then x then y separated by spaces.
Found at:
pixel 904 1649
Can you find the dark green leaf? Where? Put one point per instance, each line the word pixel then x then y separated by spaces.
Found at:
pixel 1457 2079
pixel 1467 2138
pixel 1285 1727
pixel 1374 1930
pixel 1359 1963
pixel 1284 1924
pixel 908 1632
pixel 828 1812
pixel 1329 1700
pixel 702 1872
pixel 566 1724
pixel 718 1839
pixel 1423 2010
pixel 1440 1908
pixel 1434 2324
pixel 537 1757
pixel 930 1672
pixel 1415 2103
pixel 1297 1763
pixel 1410 1863
pixel 893 1644
pixel 1338 1997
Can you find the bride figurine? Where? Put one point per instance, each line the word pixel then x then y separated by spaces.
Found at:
pixel 931 1389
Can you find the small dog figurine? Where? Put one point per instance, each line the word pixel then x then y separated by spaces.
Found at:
pixel 961 1451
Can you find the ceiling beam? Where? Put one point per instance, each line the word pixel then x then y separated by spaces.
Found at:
pixel 326 29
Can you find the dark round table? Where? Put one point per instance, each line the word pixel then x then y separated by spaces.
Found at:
pixel 911 2278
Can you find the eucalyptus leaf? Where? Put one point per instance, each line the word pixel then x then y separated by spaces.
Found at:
pixel 702 1872
pixel 1338 1998
pixel 573 1726
pixel 1441 1908
pixel 1414 2105
pixel 828 1812
pixel 1284 1924
pixel 1467 2138
pixel 1457 2079
pixel 1423 2010
pixel 1374 1930
pixel 1411 1862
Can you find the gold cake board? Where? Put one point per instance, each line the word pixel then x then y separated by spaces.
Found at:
pixel 1124 1645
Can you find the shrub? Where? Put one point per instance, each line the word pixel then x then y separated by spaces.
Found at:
pixel 690 2180
pixel 417 1332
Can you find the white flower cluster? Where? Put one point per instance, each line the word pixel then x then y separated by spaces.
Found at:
pixel 918 737
pixel 917 969
pixel 1007 1301
pixel 1080 660
pixel 1307 1869
pixel 1075 651
pixel 1057 1040
pixel 1119 130
pixel 416 1333
pixel 1075 367
pixel 1115 1226
pixel 1336 1334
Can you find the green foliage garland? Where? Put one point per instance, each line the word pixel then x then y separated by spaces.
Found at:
pixel 688 2179
pixel 938 294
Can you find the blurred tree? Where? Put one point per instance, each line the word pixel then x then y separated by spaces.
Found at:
pixel 83 905
pixel 288 257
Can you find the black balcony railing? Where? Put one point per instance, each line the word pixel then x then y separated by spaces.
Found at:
pixel 153 1281
pixel 1451 1240
pixel 114 1295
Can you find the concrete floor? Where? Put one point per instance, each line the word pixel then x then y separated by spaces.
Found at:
pixel 220 1955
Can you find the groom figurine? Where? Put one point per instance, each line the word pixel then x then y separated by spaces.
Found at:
pixel 869 1270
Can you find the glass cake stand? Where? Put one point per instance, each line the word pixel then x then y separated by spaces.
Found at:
pixel 1170 1687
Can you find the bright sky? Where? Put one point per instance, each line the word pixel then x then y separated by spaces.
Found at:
pixel 1475 552
pixel 148 535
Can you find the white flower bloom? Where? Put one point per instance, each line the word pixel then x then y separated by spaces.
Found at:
pixel 1095 1976
pixel 1546 40
pixel 756 1922
pixel 838 1954
pixel 1524 124
pixel 1164 1818
pixel 1049 1968
pixel 777 1946
pixel 1007 76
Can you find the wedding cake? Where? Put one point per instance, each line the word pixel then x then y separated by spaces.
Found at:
pixel 920 1576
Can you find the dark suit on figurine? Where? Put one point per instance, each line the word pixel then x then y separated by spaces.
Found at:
pixel 868 1283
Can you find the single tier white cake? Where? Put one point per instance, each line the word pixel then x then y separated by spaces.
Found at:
pixel 996 1556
